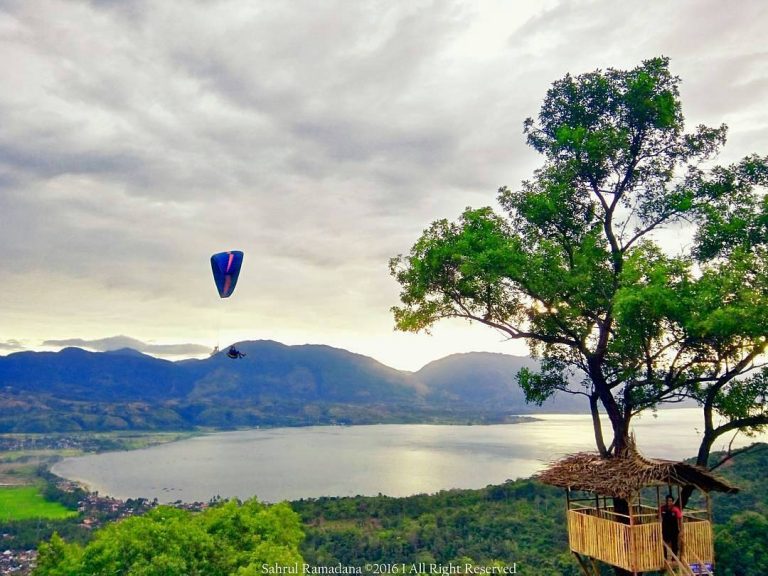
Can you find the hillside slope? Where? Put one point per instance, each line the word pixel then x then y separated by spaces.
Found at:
pixel 518 524
pixel 488 381
pixel 274 384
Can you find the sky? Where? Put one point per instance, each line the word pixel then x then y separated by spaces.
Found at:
pixel 320 137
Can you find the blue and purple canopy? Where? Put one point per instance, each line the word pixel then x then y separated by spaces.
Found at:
pixel 226 269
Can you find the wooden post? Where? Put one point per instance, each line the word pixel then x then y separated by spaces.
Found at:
pixel 583 565
pixel 632 548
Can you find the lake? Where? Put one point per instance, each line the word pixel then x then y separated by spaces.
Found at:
pixel 397 460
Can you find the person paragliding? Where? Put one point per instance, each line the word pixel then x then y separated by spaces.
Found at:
pixel 234 353
pixel 226 270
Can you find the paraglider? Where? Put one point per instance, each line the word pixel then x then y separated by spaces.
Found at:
pixel 234 353
pixel 226 270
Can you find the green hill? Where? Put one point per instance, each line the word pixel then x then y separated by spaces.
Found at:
pixel 274 385
pixel 487 380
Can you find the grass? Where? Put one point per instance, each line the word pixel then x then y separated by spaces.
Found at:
pixel 25 502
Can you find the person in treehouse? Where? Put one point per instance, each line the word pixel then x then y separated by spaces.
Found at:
pixel 671 523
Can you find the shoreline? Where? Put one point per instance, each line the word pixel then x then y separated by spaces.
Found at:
pixel 22 452
pixel 302 462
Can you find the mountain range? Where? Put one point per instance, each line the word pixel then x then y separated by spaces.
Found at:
pixel 274 384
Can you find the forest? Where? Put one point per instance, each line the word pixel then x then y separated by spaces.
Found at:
pixel 521 522
pixel 518 525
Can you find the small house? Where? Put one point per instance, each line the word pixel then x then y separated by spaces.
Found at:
pixel 613 512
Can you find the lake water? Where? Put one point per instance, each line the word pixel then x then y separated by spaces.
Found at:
pixel 397 460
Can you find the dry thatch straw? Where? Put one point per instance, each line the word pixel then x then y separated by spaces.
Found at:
pixel 625 475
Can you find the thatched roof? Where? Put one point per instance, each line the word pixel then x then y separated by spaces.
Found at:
pixel 623 476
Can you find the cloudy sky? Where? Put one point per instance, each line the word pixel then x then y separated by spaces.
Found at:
pixel 319 137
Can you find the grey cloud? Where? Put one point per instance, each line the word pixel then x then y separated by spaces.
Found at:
pixel 320 138
pixel 279 59
pixel 33 160
pixel 119 342
pixel 12 345
pixel 341 107
pixel 87 231
pixel 742 89
pixel 713 48
pixel 337 97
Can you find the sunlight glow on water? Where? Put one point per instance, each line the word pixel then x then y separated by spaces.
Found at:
pixel 397 460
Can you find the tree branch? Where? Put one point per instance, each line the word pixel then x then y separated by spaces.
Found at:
pixel 731 454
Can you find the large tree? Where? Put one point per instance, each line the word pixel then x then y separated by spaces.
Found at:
pixel 632 266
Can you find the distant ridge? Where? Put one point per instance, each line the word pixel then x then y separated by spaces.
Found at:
pixel 487 380
pixel 274 385
pixel 125 342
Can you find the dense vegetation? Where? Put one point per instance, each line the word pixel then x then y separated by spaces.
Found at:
pixel 742 530
pixel 518 524
pixel 521 521
pixel 231 538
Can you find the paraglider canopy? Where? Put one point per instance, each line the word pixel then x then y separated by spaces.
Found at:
pixel 226 269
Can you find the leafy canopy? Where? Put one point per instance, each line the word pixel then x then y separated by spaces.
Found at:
pixel 230 538
pixel 579 264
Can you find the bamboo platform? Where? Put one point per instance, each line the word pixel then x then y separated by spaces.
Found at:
pixel 636 547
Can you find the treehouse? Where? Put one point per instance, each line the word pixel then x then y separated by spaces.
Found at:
pixel 613 512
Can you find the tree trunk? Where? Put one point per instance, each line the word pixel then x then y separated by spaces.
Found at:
pixel 620 426
pixel 603 392
pixel 597 425
pixel 702 459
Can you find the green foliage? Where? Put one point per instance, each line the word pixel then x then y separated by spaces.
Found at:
pixel 741 549
pixel 748 472
pixel 57 558
pixel 576 269
pixel 521 521
pixel 454 263
pixel 231 538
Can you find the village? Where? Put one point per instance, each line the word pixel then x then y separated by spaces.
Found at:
pixel 93 512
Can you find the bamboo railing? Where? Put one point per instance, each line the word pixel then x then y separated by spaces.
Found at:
pixel 637 547
pixel 697 542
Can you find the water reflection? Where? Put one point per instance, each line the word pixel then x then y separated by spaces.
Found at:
pixel 398 460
